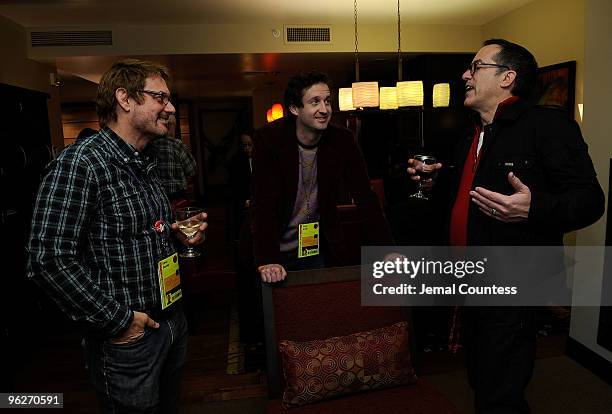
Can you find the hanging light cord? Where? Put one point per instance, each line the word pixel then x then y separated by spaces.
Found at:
pixel 356 44
pixel 399 43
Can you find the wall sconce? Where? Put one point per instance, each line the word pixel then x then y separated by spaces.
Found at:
pixel 277 111
pixel 345 99
pixel 410 93
pixel 441 95
pixel 388 98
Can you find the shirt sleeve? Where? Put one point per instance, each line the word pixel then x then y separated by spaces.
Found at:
pixel 187 160
pixel 64 206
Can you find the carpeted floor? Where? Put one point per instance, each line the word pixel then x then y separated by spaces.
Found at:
pixel 559 385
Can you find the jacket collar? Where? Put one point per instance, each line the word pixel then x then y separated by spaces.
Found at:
pixel 289 123
pixel 507 110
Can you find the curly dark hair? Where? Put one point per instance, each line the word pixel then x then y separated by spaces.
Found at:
pixel 130 74
pixel 298 83
pixel 519 59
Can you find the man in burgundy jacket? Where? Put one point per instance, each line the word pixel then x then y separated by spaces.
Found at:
pixel 300 163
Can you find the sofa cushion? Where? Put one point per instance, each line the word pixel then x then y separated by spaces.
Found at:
pixel 327 368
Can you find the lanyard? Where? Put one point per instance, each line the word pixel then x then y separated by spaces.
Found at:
pixel 310 167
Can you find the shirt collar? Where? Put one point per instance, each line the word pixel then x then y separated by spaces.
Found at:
pixel 125 152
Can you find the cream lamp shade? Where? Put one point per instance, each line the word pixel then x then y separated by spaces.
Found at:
pixel 410 93
pixel 345 99
pixel 441 95
pixel 365 94
pixel 388 98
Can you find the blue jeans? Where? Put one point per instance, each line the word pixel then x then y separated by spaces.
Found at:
pixel 143 376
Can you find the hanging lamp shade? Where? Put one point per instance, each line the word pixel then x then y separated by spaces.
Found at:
pixel 345 99
pixel 410 93
pixel 277 111
pixel 269 116
pixel 365 94
pixel 441 95
pixel 388 98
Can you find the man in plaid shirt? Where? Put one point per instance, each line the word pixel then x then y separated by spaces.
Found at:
pixel 102 229
pixel 175 163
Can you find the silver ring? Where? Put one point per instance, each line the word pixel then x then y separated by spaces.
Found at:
pixel 494 212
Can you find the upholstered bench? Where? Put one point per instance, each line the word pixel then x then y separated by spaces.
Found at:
pixel 319 313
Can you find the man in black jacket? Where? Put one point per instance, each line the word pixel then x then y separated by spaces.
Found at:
pixel 523 177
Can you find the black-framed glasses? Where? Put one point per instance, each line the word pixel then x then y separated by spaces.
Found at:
pixel 161 97
pixel 474 66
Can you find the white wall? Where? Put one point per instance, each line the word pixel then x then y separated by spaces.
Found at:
pixel 258 38
pixel 580 30
pixel 553 30
pixel 597 125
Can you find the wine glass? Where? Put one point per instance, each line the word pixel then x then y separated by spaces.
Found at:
pixel 189 220
pixel 423 164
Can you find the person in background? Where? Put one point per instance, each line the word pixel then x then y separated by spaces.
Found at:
pixel 250 313
pixel 86 132
pixel 299 164
pixel 101 245
pixel 240 173
pixel 175 163
pixel 522 177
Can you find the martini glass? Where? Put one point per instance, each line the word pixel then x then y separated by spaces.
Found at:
pixel 189 220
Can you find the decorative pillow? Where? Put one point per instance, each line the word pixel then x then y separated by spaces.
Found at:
pixel 321 369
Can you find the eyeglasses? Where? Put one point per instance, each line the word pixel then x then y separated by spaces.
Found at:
pixel 474 66
pixel 161 97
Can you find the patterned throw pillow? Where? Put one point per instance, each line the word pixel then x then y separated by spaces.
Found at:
pixel 321 369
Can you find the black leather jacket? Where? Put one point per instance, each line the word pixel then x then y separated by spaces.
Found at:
pixel 545 149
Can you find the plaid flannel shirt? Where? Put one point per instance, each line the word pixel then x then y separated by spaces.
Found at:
pixel 174 163
pixel 93 247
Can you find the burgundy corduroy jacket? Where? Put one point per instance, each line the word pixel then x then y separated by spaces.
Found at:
pixel 340 164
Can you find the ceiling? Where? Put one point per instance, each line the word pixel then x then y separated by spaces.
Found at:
pixel 238 74
pixel 30 13
pixel 208 75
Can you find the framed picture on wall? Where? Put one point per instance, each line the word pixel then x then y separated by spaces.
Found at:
pixel 557 86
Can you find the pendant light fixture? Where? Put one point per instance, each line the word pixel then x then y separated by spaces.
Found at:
pixel 365 94
pixel 441 95
pixel 388 97
pixel 345 99
pixel 409 93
